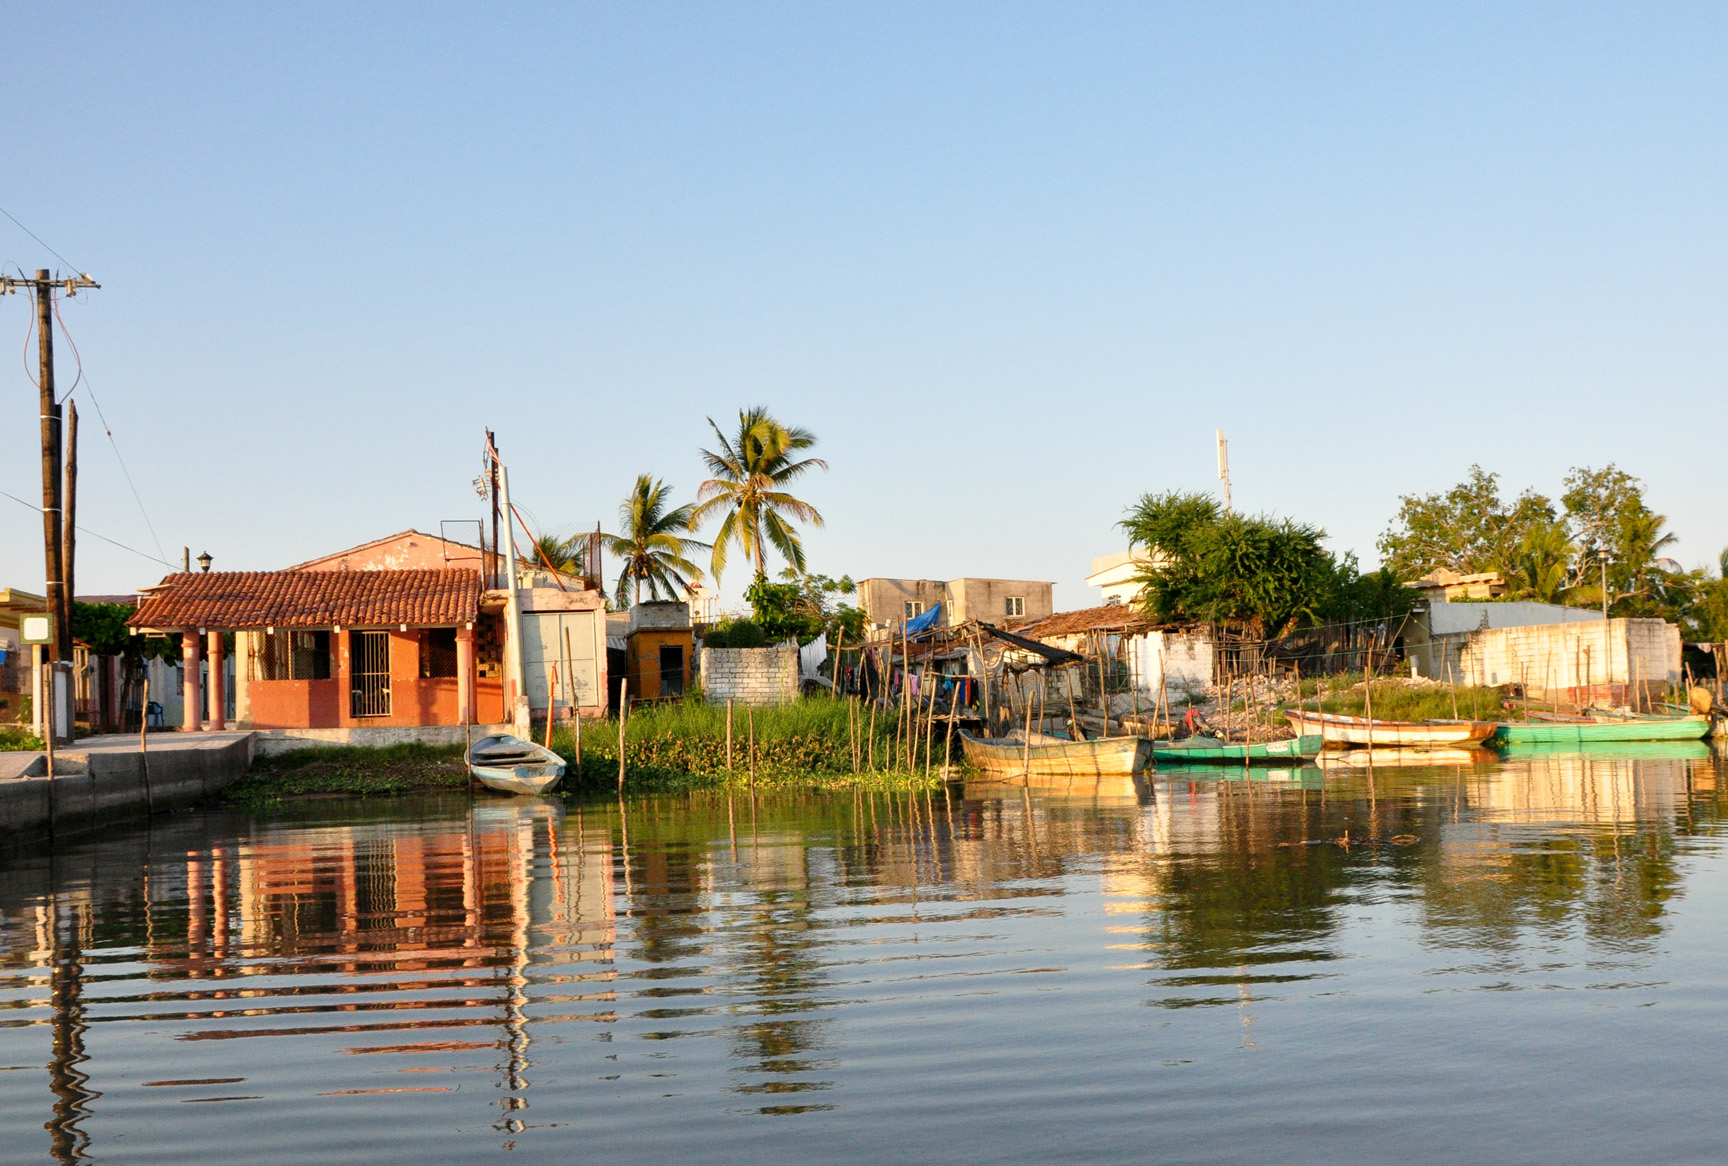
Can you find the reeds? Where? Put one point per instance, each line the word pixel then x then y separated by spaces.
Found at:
pixel 683 745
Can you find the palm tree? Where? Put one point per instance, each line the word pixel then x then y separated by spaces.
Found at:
pixel 1541 562
pixel 567 556
pixel 653 550
pixel 750 472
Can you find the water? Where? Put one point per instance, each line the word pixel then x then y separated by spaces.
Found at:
pixel 1515 961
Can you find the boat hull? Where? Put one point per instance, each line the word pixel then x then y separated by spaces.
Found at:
pixel 1585 733
pixel 1337 729
pixel 1002 757
pixel 1210 750
pixel 511 765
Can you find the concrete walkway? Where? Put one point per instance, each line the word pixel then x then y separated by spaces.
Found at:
pixel 106 779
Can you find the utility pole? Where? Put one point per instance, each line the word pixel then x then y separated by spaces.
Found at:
pixel 492 478
pixel 1224 468
pixel 54 556
pixel 69 528
pixel 1602 557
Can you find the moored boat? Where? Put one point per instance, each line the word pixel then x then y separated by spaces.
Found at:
pixel 1044 756
pixel 513 766
pixel 1337 729
pixel 1586 731
pixel 1210 750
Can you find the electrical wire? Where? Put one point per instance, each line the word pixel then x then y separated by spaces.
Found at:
pixel 93 534
pixel 38 238
pixel 91 391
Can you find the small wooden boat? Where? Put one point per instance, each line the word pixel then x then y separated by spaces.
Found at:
pixel 1341 730
pixel 1607 750
pixel 511 765
pixel 1042 756
pixel 1400 757
pixel 1584 731
pixel 1212 750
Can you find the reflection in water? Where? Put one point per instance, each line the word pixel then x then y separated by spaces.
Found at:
pixel 430 973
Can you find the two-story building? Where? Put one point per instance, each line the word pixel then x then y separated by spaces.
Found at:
pixel 889 603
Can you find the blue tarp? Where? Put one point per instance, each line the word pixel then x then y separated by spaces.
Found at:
pixel 925 622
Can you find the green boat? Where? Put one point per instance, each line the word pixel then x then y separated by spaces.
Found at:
pixel 1211 750
pixel 1587 732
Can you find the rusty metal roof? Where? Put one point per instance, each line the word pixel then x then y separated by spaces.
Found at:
pixel 311 599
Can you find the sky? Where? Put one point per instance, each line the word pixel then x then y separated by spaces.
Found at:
pixel 1013 264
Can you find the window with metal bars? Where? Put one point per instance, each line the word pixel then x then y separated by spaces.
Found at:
pixel 294 655
pixel 438 654
pixel 369 674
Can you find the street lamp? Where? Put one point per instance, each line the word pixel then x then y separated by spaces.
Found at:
pixel 204 561
pixel 1602 557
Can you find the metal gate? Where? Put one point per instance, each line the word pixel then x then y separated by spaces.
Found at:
pixel 369 688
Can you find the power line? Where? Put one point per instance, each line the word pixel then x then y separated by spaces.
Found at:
pixel 93 534
pixel 100 416
pixel 38 238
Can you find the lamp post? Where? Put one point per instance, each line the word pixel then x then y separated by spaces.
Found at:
pixel 1602 557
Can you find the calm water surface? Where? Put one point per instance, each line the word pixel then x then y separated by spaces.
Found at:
pixel 1517 961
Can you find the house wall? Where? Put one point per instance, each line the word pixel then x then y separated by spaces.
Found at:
pixel 645 645
pixel 408 551
pixel 1615 662
pixel 326 704
pixel 986 599
pixel 1179 663
pixel 754 676
pixel 884 600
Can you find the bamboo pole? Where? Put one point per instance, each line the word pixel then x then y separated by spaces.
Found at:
pixel 872 738
pixel 750 718
pixel 929 733
pixel 1453 685
pixel 1103 690
pixel 852 732
pixel 728 739
pixel 551 703
pixel 1026 746
pixel 143 747
pixel 839 660
pixel 623 718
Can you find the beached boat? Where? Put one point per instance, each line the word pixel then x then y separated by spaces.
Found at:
pixel 1044 756
pixel 1588 730
pixel 1210 750
pixel 511 765
pixel 1337 729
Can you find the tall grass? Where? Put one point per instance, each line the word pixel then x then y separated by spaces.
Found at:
pixel 683 745
pixel 1398 700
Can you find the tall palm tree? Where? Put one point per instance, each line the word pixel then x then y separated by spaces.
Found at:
pixel 651 545
pixel 751 470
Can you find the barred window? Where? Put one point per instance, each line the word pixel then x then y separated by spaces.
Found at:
pixel 438 654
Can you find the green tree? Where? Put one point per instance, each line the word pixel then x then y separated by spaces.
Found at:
pixel 1254 574
pixel 1607 510
pixel 1467 529
pixel 1541 562
pixel 653 545
pixel 568 556
pixel 805 606
pixel 751 471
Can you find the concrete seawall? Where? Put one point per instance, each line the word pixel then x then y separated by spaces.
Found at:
pixel 100 781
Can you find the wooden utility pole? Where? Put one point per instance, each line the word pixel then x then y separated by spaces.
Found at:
pixel 69 528
pixel 497 564
pixel 57 586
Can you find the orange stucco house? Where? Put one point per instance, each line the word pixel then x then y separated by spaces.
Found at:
pixel 336 649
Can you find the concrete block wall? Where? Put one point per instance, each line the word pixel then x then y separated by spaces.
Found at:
pixel 1616 661
pixel 752 676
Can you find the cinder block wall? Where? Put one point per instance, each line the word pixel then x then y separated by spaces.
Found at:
pixel 753 676
pixel 1617 660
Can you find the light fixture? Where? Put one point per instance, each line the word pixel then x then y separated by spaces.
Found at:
pixel 204 561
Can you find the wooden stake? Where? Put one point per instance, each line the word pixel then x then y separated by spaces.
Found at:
pixel 750 716
pixel 871 741
pixel 623 717
pixel 143 747
pixel 728 739
pixel 551 703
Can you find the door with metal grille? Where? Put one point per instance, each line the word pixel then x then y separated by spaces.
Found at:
pixel 369 684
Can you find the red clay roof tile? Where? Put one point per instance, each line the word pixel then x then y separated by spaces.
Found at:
pixel 311 599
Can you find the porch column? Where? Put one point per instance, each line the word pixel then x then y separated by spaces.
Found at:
pixel 465 674
pixel 218 684
pixel 191 693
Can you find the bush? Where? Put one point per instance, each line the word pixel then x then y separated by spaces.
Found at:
pixel 736 633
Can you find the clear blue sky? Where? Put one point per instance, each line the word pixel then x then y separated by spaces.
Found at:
pixel 1012 263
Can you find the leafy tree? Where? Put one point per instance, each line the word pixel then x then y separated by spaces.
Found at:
pixel 1607 510
pixel 1467 529
pixel 102 627
pixel 803 607
pixel 1541 562
pixel 751 470
pixel 652 544
pixel 1254 574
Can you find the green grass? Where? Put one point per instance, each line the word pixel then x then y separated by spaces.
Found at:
pixel 683 746
pixel 1398 700
pixel 15 740
pixel 350 771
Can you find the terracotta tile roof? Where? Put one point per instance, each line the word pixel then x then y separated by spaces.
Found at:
pixel 1114 617
pixel 311 599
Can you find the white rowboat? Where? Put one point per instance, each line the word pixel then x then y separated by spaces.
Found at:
pixel 1342 730
pixel 511 765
